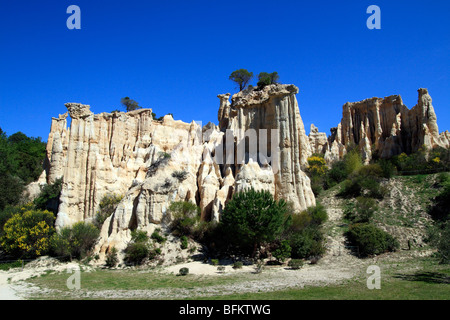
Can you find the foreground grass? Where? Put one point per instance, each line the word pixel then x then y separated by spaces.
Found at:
pixel 418 279
pixel 420 286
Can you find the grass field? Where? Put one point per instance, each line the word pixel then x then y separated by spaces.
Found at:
pixel 417 279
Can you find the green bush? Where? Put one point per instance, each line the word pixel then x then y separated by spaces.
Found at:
pixel 136 252
pixel 252 218
pixel 75 242
pixel 439 210
pixel 335 175
pixel 139 236
pixel 111 258
pixel 295 264
pixel 364 182
pixel 180 175
pixel 443 244
pixel 283 251
pixel 215 262
pixel 157 237
pixel 362 211
pixel 370 240
pixel 318 214
pixel 185 218
pixel 238 265
pixel 184 242
pixel 388 168
pixel 307 243
pixel 183 271
pixel 352 161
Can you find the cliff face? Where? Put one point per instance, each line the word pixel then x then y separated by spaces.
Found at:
pixel 260 143
pixel 387 127
pixel 131 154
pixel 272 112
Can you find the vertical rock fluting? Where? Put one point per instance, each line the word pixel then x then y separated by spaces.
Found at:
pixel 387 127
pixel 272 111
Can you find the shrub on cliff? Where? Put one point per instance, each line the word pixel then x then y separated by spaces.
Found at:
pixel 129 104
pixel 48 198
pixel 364 182
pixel 108 204
pixel 370 240
pixel 265 79
pixel 185 218
pixel 361 211
pixel 241 77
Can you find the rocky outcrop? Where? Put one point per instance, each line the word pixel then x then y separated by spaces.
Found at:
pixel 153 163
pixel 267 122
pixel 387 127
pixel 318 141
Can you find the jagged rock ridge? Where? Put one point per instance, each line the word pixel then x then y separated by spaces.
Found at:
pixel 133 155
pixel 384 126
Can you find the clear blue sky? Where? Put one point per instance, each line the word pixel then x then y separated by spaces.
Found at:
pixel 176 56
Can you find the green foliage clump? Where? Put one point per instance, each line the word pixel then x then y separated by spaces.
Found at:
pixel 157 237
pixel 215 262
pixel 183 271
pixel 139 236
pixel 335 175
pixel 129 104
pixel 76 241
pixel 48 198
pixel 252 218
pixel 305 234
pixel 283 251
pixel 27 232
pixel 180 175
pixel 361 211
pixel 111 258
pixel 184 242
pixel 317 170
pixel 295 264
pixel 139 249
pixel 136 252
pixel 108 204
pixel 21 162
pixel 364 182
pixel 241 77
pixel 370 240
pixel 307 243
pixel 265 79
pixel 185 218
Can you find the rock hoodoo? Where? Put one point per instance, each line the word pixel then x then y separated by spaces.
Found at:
pixel 133 155
pixel 260 142
pixel 385 126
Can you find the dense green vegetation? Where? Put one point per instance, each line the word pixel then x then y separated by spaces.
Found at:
pixel 21 162
pixel 254 225
pixel 75 242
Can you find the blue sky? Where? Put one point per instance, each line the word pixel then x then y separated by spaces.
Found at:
pixel 176 56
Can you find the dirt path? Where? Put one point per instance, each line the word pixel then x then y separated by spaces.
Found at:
pixel 6 290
